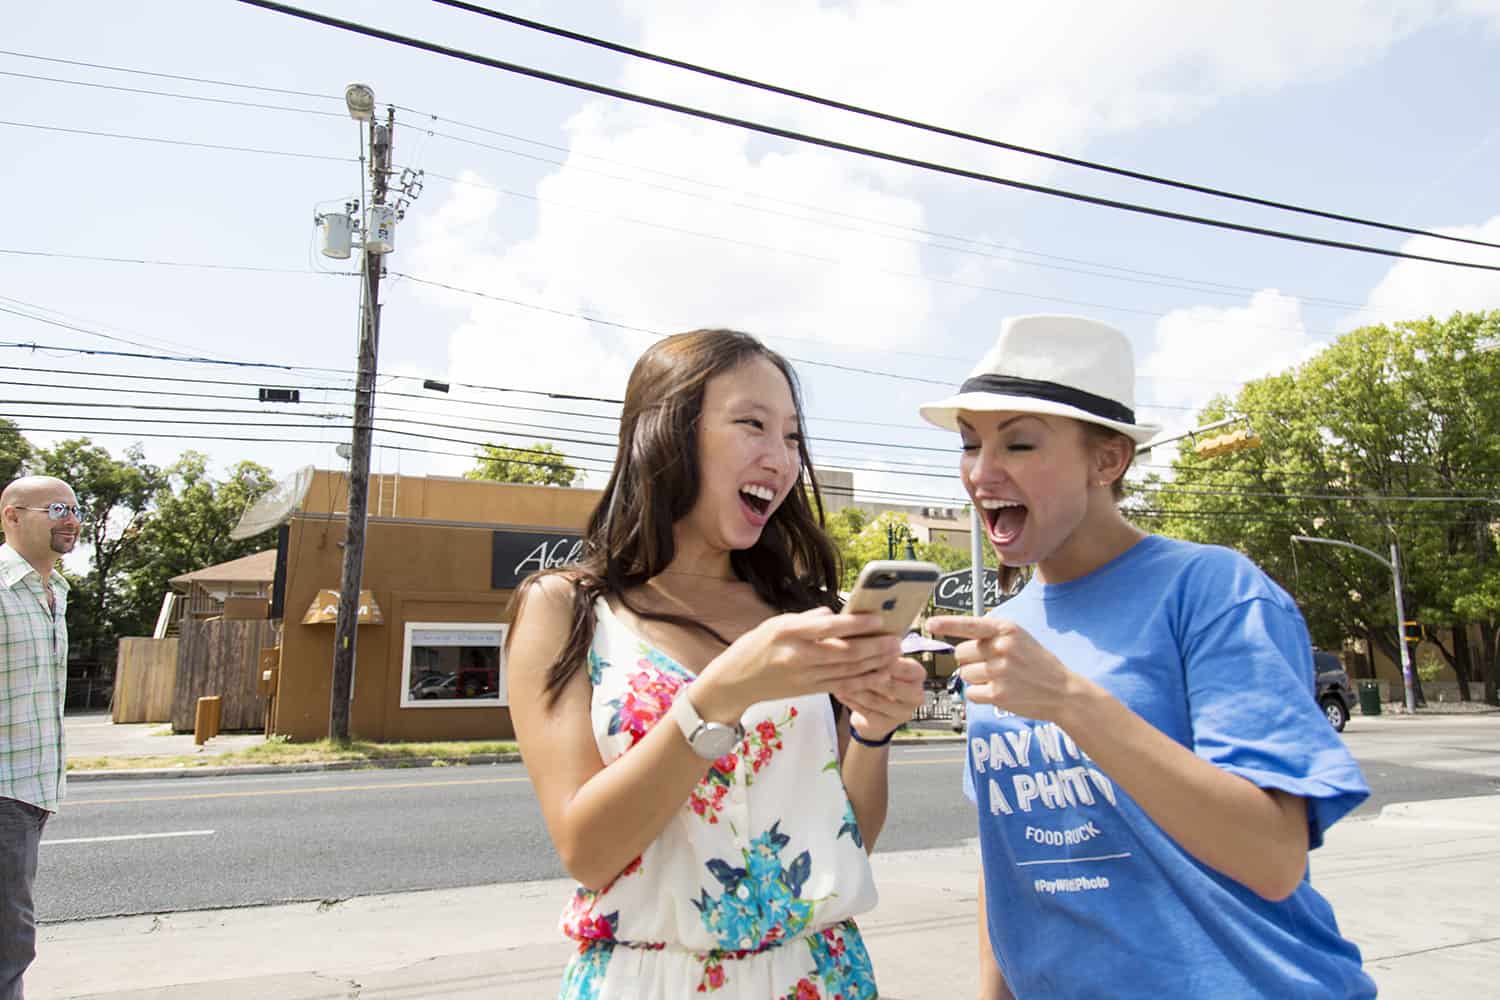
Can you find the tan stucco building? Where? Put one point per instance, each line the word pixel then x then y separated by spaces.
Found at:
pixel 442 559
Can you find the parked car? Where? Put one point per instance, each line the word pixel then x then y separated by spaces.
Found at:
pixel 436 686
pixel 1334 692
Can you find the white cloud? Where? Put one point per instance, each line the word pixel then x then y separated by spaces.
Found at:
pixel 1414 289
pixel 646 256
pixel 1206 351
pixel 1052 75
pixel 1055 76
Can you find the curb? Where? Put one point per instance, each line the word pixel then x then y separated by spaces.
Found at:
pixel 231 770
pixel 386 763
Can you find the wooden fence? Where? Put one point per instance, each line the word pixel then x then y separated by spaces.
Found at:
pixel 145 680
pixel 219 657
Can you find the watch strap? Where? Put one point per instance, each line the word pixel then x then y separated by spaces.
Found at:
pixel 693 726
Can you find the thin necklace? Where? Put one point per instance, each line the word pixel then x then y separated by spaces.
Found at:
pixel 701 576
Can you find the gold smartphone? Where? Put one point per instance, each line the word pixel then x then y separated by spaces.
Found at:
pixel 895 589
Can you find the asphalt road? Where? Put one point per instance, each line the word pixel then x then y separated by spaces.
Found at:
pixel 185 844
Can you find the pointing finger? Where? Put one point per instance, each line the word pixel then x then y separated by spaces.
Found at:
pixel 965 626
pixel 974 675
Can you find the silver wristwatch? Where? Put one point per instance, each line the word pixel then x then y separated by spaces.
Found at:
pixel 709 740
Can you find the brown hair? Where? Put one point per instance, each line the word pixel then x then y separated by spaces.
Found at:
pixel 655 483
pixel 1095 435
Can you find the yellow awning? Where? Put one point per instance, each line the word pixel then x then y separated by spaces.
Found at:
pixel 325 608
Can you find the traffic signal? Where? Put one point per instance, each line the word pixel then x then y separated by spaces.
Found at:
pixel 1224 444
pixel 1412 631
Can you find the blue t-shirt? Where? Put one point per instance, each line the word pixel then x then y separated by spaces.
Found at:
pixel 1086 895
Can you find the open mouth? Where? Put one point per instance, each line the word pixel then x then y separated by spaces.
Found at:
pixel 757 498
pixel 1004 518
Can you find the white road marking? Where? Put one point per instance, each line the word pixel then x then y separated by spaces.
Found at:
pixel 130 836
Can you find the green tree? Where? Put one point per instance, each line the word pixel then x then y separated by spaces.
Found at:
pixel 540 464
pixel 116 492
pixel 187 528
pixel 862 537
pixel 1390 434
pixel 15 453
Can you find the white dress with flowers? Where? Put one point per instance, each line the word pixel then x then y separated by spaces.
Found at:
pixel 750 891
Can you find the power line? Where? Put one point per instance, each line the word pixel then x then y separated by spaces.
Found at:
pixel 610 442
pixel 1196 474
pixel 943 130
pixel 574 462
pixel 168 93
pixel 813 140
pixel 658 334
pixel 380 393
pixel 261 269
pixel 84 330
pixel 170 76
pixel 488 388
pixel 1009 252
pixel 633 328
pixel 920 499
pixel 60 255
pixel 979 248
pixel 842 262
pixel 178 142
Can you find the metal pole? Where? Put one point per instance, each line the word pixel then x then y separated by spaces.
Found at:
pixel 1395 567
pixel 1411 698
pixel 347 624
pixel 976 555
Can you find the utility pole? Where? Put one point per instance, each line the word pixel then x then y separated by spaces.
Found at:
pixel 976 559
pixel 1394 565
pixel 377 242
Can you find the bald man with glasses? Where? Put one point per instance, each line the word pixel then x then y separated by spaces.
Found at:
pixel 41 520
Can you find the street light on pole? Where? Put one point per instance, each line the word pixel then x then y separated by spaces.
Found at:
pixel 378 232
pixel 1394 565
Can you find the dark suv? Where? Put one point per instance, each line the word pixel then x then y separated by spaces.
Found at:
pixel 1335 695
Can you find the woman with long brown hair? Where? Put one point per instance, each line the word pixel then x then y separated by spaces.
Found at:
pixel 671 695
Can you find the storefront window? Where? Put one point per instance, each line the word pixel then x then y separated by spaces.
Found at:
pixel 452 664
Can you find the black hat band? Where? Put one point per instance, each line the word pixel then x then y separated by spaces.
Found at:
pixel 1052 392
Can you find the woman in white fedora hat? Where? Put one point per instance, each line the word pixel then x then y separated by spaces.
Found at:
pixel 1149 766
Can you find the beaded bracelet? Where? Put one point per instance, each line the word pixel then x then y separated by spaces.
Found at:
pixel 854 735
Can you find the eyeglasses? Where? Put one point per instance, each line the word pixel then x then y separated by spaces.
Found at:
pixel 58 511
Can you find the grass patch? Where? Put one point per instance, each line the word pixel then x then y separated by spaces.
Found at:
pixel 278 750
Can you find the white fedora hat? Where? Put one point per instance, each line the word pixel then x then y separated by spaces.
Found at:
pixel 1066 366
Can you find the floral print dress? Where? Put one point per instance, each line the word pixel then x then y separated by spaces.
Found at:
pixel 751 890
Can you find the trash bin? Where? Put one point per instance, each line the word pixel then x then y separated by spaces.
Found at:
pixel 1369 697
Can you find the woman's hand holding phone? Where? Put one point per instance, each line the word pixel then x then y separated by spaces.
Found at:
pixel 790 655
pixel 896 591
pixel 883 700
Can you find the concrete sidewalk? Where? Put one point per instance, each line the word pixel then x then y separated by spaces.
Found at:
pixel 1415 887
pixel 94 734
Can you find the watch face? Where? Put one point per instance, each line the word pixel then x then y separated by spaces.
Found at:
pixel 713 741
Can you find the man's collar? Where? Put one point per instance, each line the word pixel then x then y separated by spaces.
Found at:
pixel 14 567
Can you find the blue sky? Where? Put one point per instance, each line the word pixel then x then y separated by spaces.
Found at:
pixel 649 220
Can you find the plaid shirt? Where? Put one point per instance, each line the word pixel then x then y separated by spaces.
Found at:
pixel 33 677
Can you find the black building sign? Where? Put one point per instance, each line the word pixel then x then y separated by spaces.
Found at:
pixel 518 554
pixel 955 591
